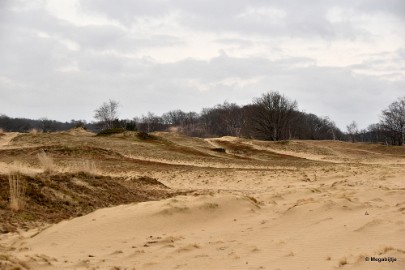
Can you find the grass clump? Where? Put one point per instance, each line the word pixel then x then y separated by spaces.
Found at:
pixel 34 131
pixel 210 206
pixel 87 166
pixel 17 191
pixel 342 262
pixel 218 149
pixel 46 162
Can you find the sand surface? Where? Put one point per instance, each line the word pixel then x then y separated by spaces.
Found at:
pixel 334 214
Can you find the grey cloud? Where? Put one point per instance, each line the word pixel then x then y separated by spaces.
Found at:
pixel 395 7
pixel 35 79
pixel 114 38
pixel 127 11
pixel 142 85
pixel 235 41
pixel 302 19
pixel 96 37
pixel 335 92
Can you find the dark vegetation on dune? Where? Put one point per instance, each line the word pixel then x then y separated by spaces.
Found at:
pixel 53 197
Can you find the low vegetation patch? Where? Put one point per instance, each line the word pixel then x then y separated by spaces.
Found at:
pixel 146 180
pixel 50 197
pixel 110 131
pixel 145 136
pixel 218 149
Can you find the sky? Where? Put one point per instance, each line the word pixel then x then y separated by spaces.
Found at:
pixel 61 59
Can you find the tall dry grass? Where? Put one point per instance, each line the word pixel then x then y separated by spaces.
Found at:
pixel 46 162
pixel 87 166
pixel 18 188
pixel 34 131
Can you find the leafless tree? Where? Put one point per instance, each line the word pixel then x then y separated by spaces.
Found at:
pixel 393 120
pixel 352 130
pixel 223 119
pixel 47 125
pixel 175 118
pixel 270 116
pixel 151 122
pixel 107 113
pixel 233 117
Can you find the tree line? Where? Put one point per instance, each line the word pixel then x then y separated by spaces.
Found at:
pixel 390 130
pixel 40 125
pixel 271 116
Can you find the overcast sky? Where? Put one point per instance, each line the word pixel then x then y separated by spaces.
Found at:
pixel 62 58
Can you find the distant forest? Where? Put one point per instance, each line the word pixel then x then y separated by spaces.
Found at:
pixel 270 117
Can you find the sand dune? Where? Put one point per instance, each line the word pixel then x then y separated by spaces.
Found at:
pixel 255 210
pixel 224 231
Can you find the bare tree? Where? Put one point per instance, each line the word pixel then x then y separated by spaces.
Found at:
pixel 352 130
pixel 233 118
pixel 150 123
pixel 176 117
pixel 47 125
pixel 107 113
pixel 270 116
pixel 393 120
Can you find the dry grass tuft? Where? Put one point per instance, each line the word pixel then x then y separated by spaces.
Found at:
pixel 87 166
pixel 17 190
pixel 34 131
pixel 342 262
pixel 46 162
pixel 388 249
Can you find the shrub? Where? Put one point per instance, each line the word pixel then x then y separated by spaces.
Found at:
pixel 130 126
pixel 80 124
pixel 110 131
pixel 145 136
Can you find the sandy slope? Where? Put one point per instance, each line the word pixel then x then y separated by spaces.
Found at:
pixel 329 215
pixel 6 138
